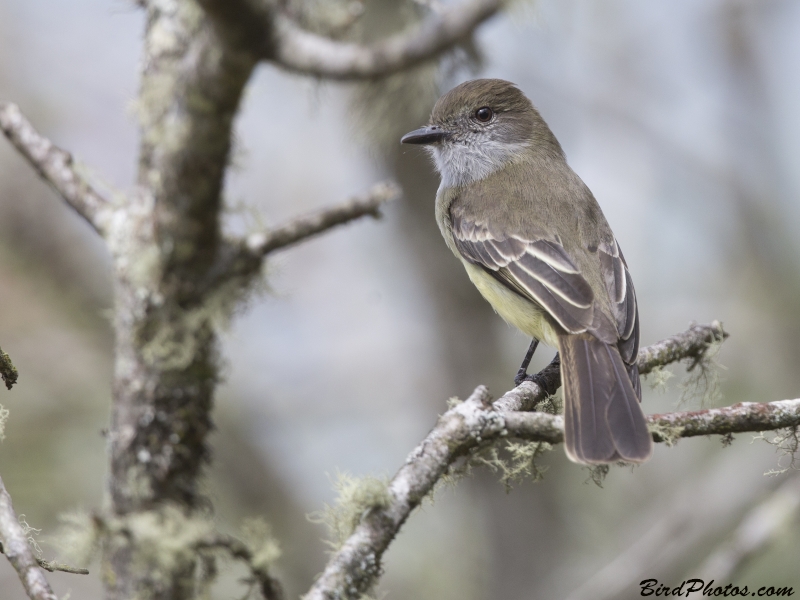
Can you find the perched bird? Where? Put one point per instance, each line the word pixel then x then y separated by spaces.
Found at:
pixel 535 243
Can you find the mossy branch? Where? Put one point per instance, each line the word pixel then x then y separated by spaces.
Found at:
pixel 8 371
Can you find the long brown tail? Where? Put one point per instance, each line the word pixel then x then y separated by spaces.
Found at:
pixel 603 421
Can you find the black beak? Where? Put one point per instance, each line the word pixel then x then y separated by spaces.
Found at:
pixel 424 135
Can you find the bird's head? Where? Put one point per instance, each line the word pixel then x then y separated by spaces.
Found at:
pixel 479 127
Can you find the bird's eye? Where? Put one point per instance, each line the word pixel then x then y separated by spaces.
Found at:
pixel 484 114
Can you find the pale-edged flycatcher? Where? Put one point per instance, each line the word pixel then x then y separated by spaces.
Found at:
pixel 535 243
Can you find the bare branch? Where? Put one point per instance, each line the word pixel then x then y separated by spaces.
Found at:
pixel 270 587
pixel 8 372
pixel 692 343
pixel 55 166
pixel 15 547
pixel 305 227
pixel 305 52
pixel 243 258
pixel 477 423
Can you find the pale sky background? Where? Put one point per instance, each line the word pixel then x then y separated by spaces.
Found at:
pixel 336 367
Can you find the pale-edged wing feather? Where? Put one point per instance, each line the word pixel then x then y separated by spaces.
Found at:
pixel 623 303
pixel 538 269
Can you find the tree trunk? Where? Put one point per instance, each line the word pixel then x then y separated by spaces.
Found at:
pixel 166 348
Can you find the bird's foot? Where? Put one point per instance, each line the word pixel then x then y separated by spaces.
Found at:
pixel 548 379
pixel 537 378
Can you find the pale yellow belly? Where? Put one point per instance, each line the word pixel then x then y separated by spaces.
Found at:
pixel 516 310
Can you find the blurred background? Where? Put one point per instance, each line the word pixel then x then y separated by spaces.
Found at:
pixel 680 116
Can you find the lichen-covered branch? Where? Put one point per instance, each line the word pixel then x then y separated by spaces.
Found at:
pixel 166 353
pixel 8 372
pixel 739 418
pixel 356 566
pixel 52 567
pixel 477 423
pixel 302 51
pixel 692 344
pixel 15 546
pixel 304 227
pixel 55 166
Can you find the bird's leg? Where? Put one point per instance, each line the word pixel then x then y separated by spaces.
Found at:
pixel 522 374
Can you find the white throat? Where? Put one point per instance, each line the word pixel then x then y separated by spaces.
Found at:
pixel 460 164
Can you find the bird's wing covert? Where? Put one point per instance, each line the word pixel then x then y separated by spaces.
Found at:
pixel 538 269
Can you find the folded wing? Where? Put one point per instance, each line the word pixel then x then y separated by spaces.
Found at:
pixel 538 269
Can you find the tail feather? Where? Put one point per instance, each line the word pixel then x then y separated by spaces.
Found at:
pixel 603 419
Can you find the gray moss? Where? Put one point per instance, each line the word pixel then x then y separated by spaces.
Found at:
pixel 787 445
pixel 355 496
pixel 703 379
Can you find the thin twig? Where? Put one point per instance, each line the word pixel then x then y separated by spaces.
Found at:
pixel 270 587
pixel 55 166
pixel 302 51
pixel 307 226
pixel 57 566
pixel 16 548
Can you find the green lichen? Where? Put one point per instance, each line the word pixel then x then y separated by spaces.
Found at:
pixel 169 541
pixel 264 547
pixel 453 402
pixel 658 377
pixel 669 434
pixel 8 371
pixel 515 462
pixel 597 474
pixel 787 445
pixel 78 538
pixel 388 107
pixel 704 377
pixel 32 533
pixel 164 541
pixel 173 341
pixel 3 419
pixel 355 497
